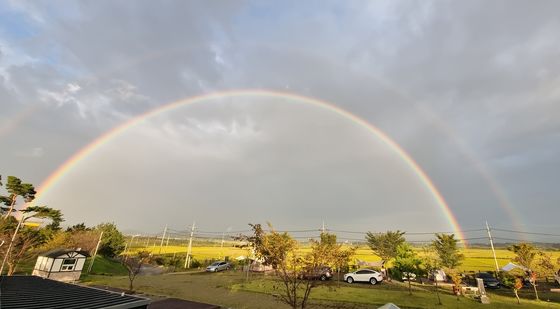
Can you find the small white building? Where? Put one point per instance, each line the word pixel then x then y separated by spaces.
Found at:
pixel 61 264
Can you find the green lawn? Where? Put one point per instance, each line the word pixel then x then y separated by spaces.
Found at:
pixel 230 289
pixel 105 266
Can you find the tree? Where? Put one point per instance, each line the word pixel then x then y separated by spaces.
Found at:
pixel 431 264
pixel 516 287
pixel 447 251
pixel 457 279
pixel 385 244
pixel 512 280
pixel 544 266
pixel 80 227
pixel 292 266
pixel 134 265
pixel 21 238
pixel 113 241
pixel 16 188
pixel 525 256
pixel 407 262
pixel 86 240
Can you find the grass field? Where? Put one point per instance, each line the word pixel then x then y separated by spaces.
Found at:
pixel 475 259
pixel 230 289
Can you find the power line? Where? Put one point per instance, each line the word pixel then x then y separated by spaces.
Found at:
pixel 528 233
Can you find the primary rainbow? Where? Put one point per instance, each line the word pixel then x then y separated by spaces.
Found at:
pixel 53 178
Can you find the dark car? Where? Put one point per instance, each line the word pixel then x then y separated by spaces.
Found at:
pixel 489 280
pixel 322 273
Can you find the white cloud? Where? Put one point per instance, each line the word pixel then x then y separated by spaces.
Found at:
pixel 36 152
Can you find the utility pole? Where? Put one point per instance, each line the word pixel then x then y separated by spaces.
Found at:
pixel 492 246
pixel 128 246
pixel 222 247
pixel 162 238
pixel 188 258
pixel 323 228
pixel 95 252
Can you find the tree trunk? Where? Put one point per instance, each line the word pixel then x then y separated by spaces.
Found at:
pixel 14 198
pixel 437 292
pixel 409 286
pixel 11 269
pixel 130 284
pixel 535 288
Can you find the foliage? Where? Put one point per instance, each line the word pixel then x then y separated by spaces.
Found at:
pixel 512 280
pixel 385 245
pixel 112 242
pixel 407 262
pixel 80 227
pixel 525 256
pixel 544 266
pixel 85 240
pixel 431 264
pixel 22 239
pixel 292 266
pixel 134 264
pixel 16 189
pixel 457 279
pixel 447 251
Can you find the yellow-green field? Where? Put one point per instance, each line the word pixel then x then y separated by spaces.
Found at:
pixel 475 259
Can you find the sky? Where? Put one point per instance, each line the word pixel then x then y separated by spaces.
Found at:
pixel 469 89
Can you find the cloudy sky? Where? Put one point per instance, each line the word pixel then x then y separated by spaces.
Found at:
pixel 470 89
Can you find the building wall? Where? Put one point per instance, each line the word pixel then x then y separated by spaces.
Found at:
pixel 65 276
pixel 80 264
pixel 57 264
pixel 51 268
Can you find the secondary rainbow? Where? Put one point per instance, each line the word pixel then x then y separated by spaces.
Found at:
pixel 53 178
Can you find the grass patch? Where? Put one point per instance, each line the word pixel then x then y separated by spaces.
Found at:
pixel 105 266
pixel 422 296
pixel 230 289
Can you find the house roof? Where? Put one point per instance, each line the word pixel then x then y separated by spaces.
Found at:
pixel 58 252
pixel 30 292
pixel 175 303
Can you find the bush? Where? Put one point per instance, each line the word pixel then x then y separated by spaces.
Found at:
pixel 395 273
pixel 112 243
pixel 195 263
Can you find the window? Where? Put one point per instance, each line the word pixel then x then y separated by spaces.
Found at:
pixel 364 271
pixel 68 264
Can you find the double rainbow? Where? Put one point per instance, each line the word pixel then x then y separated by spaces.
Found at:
pixel 88 150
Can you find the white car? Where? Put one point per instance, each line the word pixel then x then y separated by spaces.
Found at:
pixel 364 275
pixel 405 276
pixel 218 266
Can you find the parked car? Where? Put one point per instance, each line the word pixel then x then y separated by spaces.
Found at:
pixel 218 266
pixel 489 281
pixel 321 273
pixel 405 276
pixel 364 275
pixel 437 275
